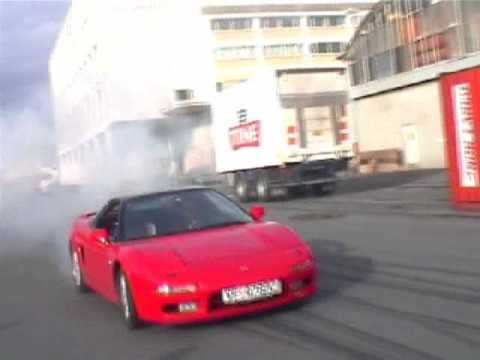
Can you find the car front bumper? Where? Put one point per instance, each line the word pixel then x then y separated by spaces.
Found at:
pixel 157 309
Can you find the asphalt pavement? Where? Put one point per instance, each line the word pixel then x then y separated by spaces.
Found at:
pixel 400 273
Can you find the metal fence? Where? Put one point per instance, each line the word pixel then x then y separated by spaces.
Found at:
pixel 402 35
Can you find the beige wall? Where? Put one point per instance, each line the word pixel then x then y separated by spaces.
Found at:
pixel 379 120
pixel 325 81
pixel 239 70
pixel 235 70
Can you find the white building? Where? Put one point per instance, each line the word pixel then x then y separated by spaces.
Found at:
pixel 119 65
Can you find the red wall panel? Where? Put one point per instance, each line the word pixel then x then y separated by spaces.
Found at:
pixel 461 99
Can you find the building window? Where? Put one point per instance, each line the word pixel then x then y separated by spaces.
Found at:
pixel 327 48
pixel 320 21
pixel 280 22
pixel 235 53
pixel 231 24
pixel 337 20
pixel 183 94
pixel 402 36
pixel 355 20
pixel 284 50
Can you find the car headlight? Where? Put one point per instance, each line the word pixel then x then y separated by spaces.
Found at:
pixel 301 267
pixel 166 289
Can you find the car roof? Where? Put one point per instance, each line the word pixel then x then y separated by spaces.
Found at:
pixel 154 194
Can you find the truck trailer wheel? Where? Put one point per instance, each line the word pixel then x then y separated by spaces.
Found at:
pixel 241 187
pixel 283 194
pixel 263 188
pixel 324 189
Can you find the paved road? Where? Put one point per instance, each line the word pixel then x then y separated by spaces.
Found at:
pixel 395 285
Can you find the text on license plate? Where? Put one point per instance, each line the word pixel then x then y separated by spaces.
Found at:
pixel 253 292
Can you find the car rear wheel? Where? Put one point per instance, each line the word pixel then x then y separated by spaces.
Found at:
pixel 127 303
pixel 77 274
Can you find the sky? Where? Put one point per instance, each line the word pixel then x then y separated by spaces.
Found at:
pixel 27 33
pixel 28 30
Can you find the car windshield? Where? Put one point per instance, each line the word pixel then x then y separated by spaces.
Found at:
pixel 175 213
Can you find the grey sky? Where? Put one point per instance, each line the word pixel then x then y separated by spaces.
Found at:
pixel 28 31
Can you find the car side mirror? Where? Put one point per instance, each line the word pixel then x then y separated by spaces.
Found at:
pixel 101 236
pixel 257 213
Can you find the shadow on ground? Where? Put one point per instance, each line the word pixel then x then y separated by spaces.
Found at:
pixel 365 183
pixel 337 263
pixel 386 180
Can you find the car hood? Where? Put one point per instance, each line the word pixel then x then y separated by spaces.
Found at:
pixel 207 246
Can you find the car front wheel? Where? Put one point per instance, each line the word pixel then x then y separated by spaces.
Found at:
pixel 77 274
pixel 127 303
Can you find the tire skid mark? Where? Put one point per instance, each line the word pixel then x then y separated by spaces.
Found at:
pixel 339 261
pixel 272 335
pixel 177 354
pixel 350 276
pixel 8 326
pixel 442 326
pixel 346 339
pixel 430 269
pixel 394 349
pixel 420 279
pixel 325 342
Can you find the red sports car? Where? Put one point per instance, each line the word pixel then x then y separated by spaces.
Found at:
pixel 187 256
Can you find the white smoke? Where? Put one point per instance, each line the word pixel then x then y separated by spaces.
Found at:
pixel 29 141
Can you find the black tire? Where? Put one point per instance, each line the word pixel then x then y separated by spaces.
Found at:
pixel 241 187
pixel 77 275
pixel 297 191
pixel 263 188
pixel 285 195
pixel 324 189
pixel 127 303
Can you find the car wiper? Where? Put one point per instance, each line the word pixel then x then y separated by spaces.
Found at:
pixel 224 224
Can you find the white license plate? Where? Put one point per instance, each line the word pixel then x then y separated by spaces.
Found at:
pixel 253 292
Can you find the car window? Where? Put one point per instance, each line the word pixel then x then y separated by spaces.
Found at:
pixel 161 215
pixel 109 216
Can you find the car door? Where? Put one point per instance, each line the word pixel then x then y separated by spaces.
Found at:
pixel 100 254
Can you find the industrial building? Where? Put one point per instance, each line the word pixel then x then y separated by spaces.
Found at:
pixel 395 59
pixel 279 35
pixel 133 97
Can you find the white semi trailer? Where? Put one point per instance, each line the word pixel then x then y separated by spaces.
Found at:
pixel 281 131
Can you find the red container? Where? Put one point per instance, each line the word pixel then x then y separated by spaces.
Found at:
pixel 461 99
